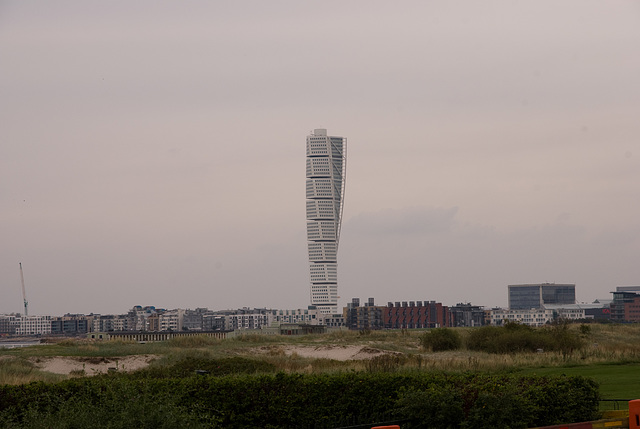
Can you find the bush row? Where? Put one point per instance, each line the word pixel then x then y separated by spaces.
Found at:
pixel 304 401
pixel 193 365
pixel 510 338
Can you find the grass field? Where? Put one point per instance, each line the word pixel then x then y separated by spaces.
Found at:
pixel 620 381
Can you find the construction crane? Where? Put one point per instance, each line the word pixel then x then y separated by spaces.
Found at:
pixel 24 293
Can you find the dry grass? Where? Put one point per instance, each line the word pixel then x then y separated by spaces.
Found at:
pixel 193 342
pixel 612 344
pixel 18 370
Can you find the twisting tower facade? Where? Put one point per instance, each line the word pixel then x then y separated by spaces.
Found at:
pixel 326 166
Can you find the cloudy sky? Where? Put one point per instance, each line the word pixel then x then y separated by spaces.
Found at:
pixel 153 152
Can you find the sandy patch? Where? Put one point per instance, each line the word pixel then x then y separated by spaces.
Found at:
pixel 90 365
pixel 336 352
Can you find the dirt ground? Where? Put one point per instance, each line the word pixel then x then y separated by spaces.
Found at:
pixel 336 352
pixel 90 365
pixel 101 365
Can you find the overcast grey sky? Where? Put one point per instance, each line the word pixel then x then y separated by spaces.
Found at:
pixel 153 152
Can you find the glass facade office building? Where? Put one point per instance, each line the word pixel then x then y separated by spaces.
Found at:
pixel 528 296
pixel 326 164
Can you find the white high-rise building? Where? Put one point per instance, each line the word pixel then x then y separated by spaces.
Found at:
pixel 326 164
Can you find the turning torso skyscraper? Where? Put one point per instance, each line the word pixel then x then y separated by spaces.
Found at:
pixel 326 164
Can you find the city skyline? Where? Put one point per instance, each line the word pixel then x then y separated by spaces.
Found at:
pixel 153 151
pixel 545 294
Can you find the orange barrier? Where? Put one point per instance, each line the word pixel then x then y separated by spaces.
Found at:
pixel 634 414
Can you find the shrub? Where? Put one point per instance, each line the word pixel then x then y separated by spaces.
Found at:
pixel 121 405
pixel 515 337
pixel 431 408
pixel 563 399
pixel 517 327
pixel 483 339
pixel 585 330
pixel 441 339
pixel 193 365
pixel 502 409
pixel 565 340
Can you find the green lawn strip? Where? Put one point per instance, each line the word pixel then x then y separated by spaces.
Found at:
pixel 616 381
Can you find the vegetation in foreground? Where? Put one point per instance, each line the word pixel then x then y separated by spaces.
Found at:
pixel 499 354
pixel 295 400
pixel 519 347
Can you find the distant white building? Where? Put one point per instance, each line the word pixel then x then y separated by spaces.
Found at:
pixel 172 320
pixel 193 319
pixel 120 323
pixel 308 316
pixel 242 321
pixel 569 311
pixel 531 317
pixel 109 322
pixel 212 321
pixel 334 321
pixel 33 325
pixel 137 317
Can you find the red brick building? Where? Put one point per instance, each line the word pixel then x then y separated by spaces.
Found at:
pixel 626 304
pixel 415 314
pixel 632 310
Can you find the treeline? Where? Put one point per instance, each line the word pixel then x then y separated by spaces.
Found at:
pixel 282 400
pixel 510 338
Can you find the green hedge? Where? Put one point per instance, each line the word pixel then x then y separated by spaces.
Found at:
pixel 301 401
pixel 515 337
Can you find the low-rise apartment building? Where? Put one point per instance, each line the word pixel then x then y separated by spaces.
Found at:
pixel 8 324
pixel 466 315
pixel 34 325
pixel 368 316
pixel 309 316
pixel 531 317
pixel 71 324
